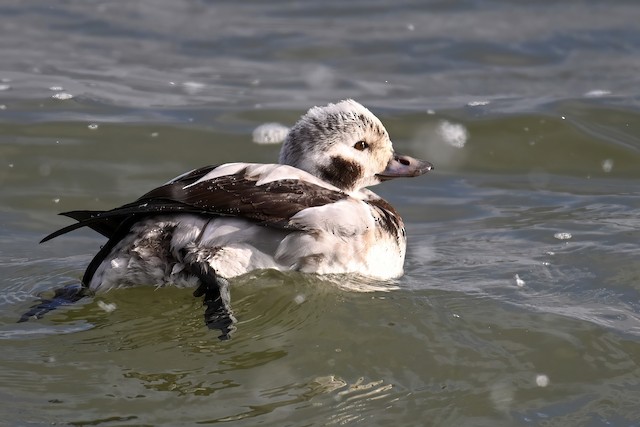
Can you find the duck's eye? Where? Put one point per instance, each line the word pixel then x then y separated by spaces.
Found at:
pixel 361 145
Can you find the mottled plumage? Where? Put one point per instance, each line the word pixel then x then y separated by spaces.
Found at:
pixel 310 213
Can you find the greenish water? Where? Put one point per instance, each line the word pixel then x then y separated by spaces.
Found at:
pixel 520 302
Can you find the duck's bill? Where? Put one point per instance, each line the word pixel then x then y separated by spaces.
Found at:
pixel 404 166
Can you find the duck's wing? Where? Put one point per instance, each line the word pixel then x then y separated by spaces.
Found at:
pixel 268 194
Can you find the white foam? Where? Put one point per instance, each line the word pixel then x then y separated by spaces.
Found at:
pixel 542 380
pixel 270 133
pixel 62 96
pixel 108 307
pixel 563 236
pixel 478 103
pixel 454 134
pixel 597 93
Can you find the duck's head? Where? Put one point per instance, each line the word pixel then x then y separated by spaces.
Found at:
pixel 345 145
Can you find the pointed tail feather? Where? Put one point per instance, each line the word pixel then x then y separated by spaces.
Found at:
pixel 108 222
pixel 84 219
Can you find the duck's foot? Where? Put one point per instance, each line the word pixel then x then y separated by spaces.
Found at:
pixel 62 296
pixel 218 314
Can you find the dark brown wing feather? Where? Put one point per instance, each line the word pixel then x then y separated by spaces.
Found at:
pixel 271 204
pixel 107 222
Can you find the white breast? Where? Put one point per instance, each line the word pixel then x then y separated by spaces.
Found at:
pixel 341 237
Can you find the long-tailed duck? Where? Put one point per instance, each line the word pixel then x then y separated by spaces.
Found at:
pixel 311 212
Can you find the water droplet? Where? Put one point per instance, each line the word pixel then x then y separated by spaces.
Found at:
pixel 4 87
pixel 411 27
pixel 3 107
pixel 597 93
pixel 478 103
pixel 562 236
pixel 154 134
pixel 62 95
pixel 519 281
pixel 56 200
pixel 607 165
pixel 542 380
pixel 56 88
pixel 108 307
pixel 299 299
pixel 93 126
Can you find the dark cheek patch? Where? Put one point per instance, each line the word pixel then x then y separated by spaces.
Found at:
pixel 341 173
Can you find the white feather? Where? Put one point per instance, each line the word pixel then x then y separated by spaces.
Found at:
pixel 346 236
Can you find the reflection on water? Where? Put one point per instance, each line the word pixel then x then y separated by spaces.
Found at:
pixel 519 305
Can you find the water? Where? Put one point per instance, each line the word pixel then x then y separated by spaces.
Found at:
pixel 520 302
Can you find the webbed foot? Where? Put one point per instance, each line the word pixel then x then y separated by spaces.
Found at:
pixel 218 314
pixel 62 296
